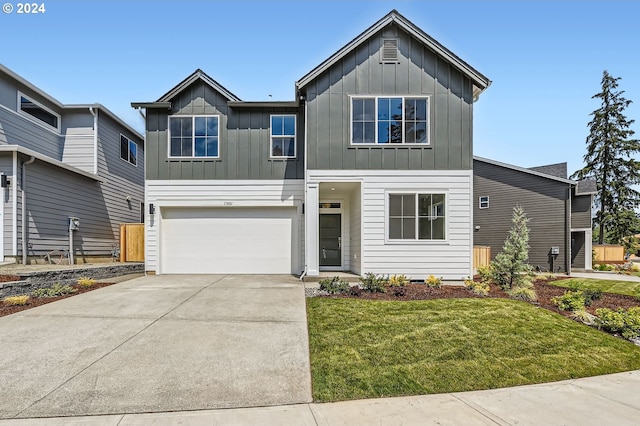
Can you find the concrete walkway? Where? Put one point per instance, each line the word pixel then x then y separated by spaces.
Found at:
pixel 602 400
pixel 605 276
pixel 157 344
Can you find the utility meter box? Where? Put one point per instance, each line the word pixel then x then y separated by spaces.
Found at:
pixel 74 223
pixel 555 250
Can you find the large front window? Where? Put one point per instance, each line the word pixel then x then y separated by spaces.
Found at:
pixel 383 120
pixel 194 136
pixel 416 216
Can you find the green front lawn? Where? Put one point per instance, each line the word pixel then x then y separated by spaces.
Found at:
pixel 371 349
pixel 608 286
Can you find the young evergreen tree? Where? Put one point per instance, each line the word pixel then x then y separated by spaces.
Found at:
pixel 610 161
pixel 510 269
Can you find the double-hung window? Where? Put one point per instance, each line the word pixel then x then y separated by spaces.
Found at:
pixel 283 136
pixel 194 136
pixel 395 120
pixel 128 150
pixel 416 216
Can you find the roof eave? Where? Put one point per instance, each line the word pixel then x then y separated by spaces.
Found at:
pixel 151 105
pixel 524 170
pixel 265 104
pixel 195 76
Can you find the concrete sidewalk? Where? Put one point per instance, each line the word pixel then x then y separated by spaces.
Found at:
pixel 602 400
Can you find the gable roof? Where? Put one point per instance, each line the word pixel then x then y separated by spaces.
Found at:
pixel 558 169
pixel 195 76
pixel 524 170
pixel 480 82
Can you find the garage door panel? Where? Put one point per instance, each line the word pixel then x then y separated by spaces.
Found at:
pixel 227 240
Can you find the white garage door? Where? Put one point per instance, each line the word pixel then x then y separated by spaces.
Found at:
pixel 227 240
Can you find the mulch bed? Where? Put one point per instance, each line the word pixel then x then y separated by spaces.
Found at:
pixel 544 291
pixel 6 309
pixel 9 278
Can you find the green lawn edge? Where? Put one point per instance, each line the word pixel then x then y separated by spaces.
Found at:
pixel 373 349
pixel 627 288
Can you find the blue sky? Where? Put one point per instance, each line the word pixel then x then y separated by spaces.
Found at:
pixel 545 58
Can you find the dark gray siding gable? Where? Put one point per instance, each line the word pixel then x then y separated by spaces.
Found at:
pixel 581 212
pixel 419 72
pixel 243 143
pixel 544 202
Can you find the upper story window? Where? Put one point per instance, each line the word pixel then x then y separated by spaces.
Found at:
pixel 396 120
pixel 415 216
pixel 283 136
pixel 37 111
pixel 483 202
pixel 128 150
pixel 194 136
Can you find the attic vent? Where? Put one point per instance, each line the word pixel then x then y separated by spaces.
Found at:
pixel 390 51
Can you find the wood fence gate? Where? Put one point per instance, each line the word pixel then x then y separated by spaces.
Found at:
pixel 132 242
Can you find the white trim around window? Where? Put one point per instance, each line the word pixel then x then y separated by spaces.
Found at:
pixel 409 220
pixel 372 121
pixel 483 202
pixel 198 138
pixel 282 135
pixel 40 114
pixel 130 154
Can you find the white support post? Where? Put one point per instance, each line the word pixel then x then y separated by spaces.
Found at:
pixel 311 215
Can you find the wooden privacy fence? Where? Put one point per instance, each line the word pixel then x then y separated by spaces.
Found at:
pixel 481 256
pixel 132 242
pixel 607 253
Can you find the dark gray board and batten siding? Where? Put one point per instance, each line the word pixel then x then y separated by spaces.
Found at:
pixel 544 202
pixel 419 72
pixel 244 141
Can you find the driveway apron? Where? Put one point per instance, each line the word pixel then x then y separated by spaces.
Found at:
pixel 158 343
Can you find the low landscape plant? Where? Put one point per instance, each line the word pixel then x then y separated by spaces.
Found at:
pixel 373 283
pixel 484 272
pixel 334 285
pixel 86 281
pixel 398 280
pixel 623 321
pixel 433 281
pixel 477 287
pixel 16 300
pixel 572 300
pixel 354 290
pixel 524 293
pixel 55 290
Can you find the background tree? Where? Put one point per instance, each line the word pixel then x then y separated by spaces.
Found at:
pixel 610 161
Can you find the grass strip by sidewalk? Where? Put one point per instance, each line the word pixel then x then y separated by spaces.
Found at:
pixel 628 288
pixel 372 349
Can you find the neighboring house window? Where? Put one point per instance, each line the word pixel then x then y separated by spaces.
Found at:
pixel 395 120
pixel 484 202
pixel 416 216
pixel 283 136
pixel 37 111
pixel 128 150
pixel 194 136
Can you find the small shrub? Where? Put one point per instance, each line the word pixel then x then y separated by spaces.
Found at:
pixel 356 291
pixel 16 300
pixel 589 295
pixel 398 280
pixel 334 285
pixel 373 283
pixel 606 267
pixel 56 290
pixel 583 316
pixel 399 291
pixel 526 294
pixel 433 281
pixel 484 273
pixel 86 281
pixel 623 321
pixel 480 288
pixel 570 301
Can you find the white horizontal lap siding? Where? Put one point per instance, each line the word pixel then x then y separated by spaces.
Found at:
pixel 450 259
pixel 215 193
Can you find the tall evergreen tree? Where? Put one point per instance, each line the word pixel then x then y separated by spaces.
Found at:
pixel 610 161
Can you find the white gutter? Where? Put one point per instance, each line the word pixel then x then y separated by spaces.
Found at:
pixel 24 210
pixel 14 224
pixel 95 139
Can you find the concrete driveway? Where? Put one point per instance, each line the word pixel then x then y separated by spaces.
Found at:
pixel 158 343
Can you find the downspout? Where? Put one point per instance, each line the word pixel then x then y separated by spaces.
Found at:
pixel 24 209
pixel 95 140
pixel 567 261
pixel 306 128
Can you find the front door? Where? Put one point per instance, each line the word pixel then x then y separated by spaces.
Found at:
pixel 331 240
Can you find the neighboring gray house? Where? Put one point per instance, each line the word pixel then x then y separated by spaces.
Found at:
pixel 368 169
pixel 62 161
pixel 559 212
